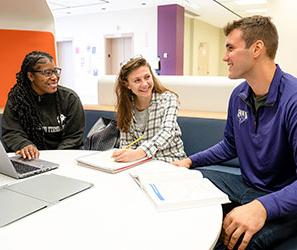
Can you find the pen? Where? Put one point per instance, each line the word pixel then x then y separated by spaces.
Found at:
pixel 132 143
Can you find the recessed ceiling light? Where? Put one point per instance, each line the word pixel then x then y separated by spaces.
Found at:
pixel 143 3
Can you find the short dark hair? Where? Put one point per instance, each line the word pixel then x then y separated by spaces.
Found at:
pixel 255 28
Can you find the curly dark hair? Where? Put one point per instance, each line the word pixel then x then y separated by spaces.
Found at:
pixel 23 102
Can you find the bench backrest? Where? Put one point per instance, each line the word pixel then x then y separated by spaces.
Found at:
pixel 197 133
pixel 200 133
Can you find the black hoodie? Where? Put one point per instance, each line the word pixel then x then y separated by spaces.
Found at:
pixel 68 135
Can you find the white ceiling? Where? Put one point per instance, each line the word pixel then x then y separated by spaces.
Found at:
pixel 215 12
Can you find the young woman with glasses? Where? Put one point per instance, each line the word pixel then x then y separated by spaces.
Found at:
pixel 39 113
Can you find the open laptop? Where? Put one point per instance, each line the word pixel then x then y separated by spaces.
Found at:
pixel 19 168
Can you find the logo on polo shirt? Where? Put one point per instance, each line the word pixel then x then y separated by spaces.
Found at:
pixel 242 115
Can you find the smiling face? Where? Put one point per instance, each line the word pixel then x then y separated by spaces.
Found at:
pixel 239 59
pixel 141 83
pixel 42 81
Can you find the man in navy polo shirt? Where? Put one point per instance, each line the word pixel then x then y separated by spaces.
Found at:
pixel 262 131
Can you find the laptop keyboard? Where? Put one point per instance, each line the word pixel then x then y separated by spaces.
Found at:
pixel 23 168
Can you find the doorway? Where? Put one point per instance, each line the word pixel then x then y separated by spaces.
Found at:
pixel 65 61
pixel 118 50
pixel 203 59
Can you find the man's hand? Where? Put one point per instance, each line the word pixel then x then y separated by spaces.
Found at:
pixel 126 155
pixel 244 220
pixel 29 152
pixel 187 162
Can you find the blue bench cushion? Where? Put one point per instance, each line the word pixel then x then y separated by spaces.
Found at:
pixel 201 133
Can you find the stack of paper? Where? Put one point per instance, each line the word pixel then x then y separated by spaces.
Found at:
pixel 174 187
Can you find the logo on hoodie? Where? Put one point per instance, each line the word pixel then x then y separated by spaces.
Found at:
pixel 62 119
pixel 242 115
pixel 55 129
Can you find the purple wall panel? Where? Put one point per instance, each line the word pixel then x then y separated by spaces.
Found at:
pixel 180 41
pixel 171 39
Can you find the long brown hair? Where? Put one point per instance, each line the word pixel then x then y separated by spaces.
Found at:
pixel 124 104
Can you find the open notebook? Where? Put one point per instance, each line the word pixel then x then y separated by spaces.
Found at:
pixel 24 198
pixel 171 187
pixel 102 160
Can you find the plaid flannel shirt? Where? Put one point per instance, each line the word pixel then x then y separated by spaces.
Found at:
pixel 162 135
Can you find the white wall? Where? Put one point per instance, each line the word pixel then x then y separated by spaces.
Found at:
pixel 283 13
pixel 89 31
pixel 26 15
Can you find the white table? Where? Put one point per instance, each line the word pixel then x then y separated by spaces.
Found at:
pixel 113 215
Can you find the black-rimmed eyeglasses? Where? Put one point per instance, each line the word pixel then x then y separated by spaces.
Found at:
pixel 49 72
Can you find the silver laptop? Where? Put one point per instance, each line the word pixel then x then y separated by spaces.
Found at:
pixel 18 168
pixel 26 197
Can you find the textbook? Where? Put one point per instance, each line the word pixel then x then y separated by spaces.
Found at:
pixel 102 160
pixel 171 187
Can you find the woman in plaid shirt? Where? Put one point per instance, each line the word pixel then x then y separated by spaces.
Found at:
pixel 146 110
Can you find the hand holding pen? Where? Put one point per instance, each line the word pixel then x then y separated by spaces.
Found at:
pixel 127 154
pixel 132 143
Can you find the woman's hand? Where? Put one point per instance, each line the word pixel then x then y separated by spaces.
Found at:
pixel 29 152
pixel 187 162
pixel 126 155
